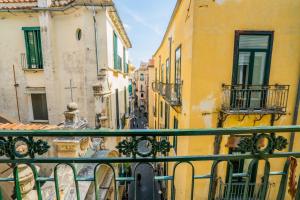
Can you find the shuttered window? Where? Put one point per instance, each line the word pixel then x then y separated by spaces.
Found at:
pixel 125 65
pixel 33 45
pixel 254 41
pixel 115 44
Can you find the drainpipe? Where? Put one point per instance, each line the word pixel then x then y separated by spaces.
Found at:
pixel 295 116
pixel 96 39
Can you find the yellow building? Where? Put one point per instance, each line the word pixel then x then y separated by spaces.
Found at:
pixel 226 63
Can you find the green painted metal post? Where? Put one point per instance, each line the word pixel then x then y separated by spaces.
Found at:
pixel 283 182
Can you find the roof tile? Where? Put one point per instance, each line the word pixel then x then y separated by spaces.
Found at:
pixel 20 126
pixel 17 1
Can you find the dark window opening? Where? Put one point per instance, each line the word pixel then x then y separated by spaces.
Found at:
pixel 39 106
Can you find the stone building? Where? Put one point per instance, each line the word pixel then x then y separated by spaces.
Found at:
pixel 142 84
pixel 63 147
pixel 53 52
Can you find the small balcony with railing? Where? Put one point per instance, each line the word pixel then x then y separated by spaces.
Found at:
pixel 155 86
pixel 236 190
pixel 255 99
pixel 162 89
pixel 173 94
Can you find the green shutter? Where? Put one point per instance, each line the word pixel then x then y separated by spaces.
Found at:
pixel 115 41
pixel 124 60
pixel 33 45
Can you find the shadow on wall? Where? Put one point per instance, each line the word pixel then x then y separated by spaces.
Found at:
pixel 4 120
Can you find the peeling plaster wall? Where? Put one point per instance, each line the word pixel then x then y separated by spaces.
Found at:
pixel 12 45
pixel 65 58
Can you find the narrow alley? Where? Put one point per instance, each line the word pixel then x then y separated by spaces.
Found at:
pixel 144 187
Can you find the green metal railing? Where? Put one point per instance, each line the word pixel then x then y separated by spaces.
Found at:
pixel 238 188
pixel 153 147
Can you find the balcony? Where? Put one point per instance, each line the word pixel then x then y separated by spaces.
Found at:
pixel 162 89
pixel 155 86
pixel 237 190
pixel 26 150
pixel 255 99
pixel 173 94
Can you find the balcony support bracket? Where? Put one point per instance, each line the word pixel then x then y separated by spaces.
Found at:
pixel 258 118
pixel 222 117
pixel 241 118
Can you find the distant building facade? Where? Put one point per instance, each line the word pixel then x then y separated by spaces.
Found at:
pixel 54 52
pixel 142 84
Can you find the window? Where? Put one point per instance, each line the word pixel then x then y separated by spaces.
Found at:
pixel 39 106
pixel 162 73
pixel 141 87
pixel 33 47
pixel 125 65
pixel 168 70
pixel 155 108
pixel 167 116
pixel 175 137
pixel 142 95
pixel 161 109
pixel 78 34
pixel 252 58
pixel 177 70
pixel 251 66
pixel 116 56
pixel 142 78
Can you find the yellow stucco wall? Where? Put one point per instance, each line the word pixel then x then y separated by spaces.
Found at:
pixel 206 32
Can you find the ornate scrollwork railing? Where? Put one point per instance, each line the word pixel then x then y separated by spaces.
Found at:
pixel 125 150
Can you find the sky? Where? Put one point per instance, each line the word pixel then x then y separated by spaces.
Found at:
pixel 145 22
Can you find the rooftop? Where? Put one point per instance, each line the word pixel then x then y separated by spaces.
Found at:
pixel 20 126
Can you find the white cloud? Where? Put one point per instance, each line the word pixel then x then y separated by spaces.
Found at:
pixel 141 20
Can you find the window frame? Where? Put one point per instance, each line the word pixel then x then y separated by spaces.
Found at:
pixel 33 110
pixel 168 70
pixel 179 48
pixel 237 50
pixel 115 51
pixel 175 139
pixel 37 47
pixel 161 109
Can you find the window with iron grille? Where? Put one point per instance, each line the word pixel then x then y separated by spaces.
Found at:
pixel 33 45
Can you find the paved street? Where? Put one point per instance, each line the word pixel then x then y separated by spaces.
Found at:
pixel 146 187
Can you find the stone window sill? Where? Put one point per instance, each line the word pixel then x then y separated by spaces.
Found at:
pixel 40 121
pixel 32 70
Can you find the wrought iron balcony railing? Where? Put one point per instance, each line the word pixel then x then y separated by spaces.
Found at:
pixel 155 86
pixel 258 99
pixel 162 89
pixel 238 188
pixel 96 173
pixel 173 94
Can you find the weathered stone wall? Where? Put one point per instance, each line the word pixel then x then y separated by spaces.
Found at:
pixel 65 58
